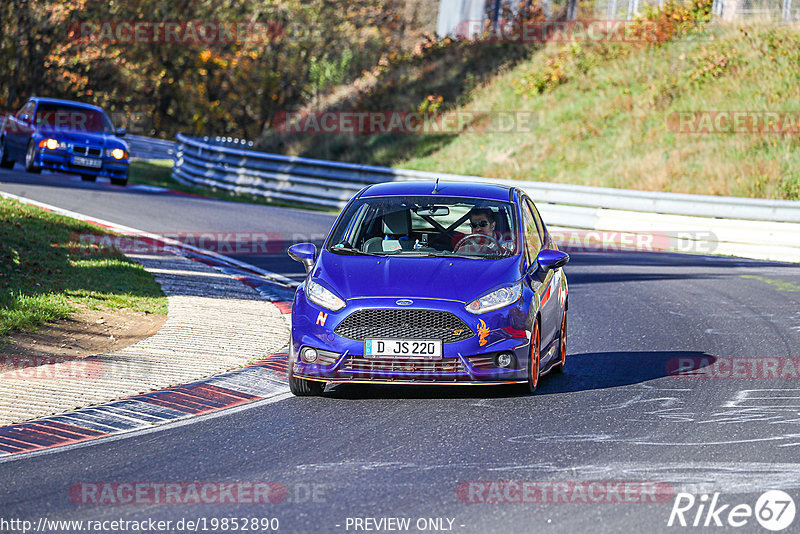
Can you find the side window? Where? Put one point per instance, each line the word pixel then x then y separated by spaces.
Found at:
pixel 354 225
pixel 27 109
pixel 537 218
pixel 533 242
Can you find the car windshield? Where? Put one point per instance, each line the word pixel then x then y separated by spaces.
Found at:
pixel 426 226
pixel 73 118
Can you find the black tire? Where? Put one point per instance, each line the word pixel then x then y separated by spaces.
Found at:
pixel 119 181
pixel 29 164
pixel 535 358
pixel 88 177
pixel 305 388
pixel 562 346
pixel 5 161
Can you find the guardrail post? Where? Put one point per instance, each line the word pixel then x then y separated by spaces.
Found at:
pixel 612 10
pixel 572 9
pixel 633 8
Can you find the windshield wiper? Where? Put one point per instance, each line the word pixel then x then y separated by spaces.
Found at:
pixel 439 254
pixel 353 251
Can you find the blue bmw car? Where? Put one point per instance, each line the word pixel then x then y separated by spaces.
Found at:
pixel 64 136
pixel 430 283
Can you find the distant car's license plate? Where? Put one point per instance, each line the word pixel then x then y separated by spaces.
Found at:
pixel 404 348
pixel 87 162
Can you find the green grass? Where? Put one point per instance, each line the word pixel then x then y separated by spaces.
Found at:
pixel 601 112
pixel 158 172
pixel 607 126
pixel 47 273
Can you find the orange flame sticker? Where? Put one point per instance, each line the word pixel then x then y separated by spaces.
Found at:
pixel 483 331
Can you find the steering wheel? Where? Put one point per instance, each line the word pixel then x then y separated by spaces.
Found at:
pixel 491 243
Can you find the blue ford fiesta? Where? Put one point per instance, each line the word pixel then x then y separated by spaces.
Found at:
pixel 65 136
pixel 430 283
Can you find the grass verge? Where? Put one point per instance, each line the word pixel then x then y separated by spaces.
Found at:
pixel 602 110
pixel 607 121
pixel 46 273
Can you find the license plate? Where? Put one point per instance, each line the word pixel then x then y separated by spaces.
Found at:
pixel 87 162
pixel 430 349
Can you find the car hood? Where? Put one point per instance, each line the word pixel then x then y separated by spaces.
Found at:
pixel 446 278
pixel 93 138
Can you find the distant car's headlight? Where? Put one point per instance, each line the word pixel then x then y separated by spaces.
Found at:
pixel 319 295
pixel 496 299
pixel 52 144
pixel 116 153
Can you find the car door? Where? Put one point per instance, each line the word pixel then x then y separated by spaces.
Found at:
pixel 551 308
pixel 533 244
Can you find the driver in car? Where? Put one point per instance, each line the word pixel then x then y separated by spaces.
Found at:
pixel 483 223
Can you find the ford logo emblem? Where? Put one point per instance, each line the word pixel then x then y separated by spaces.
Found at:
pixel 404 302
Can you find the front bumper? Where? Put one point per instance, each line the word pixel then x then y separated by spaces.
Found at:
pixel 469 361
pixel 61 161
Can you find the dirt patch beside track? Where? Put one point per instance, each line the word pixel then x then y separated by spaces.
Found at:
pixel 86 333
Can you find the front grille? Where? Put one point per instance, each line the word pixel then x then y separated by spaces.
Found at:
pixel 86 151
pixel 409 366
pixel 404 324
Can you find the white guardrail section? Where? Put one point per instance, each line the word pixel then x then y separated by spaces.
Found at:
pixel 149 148
pixel 605 218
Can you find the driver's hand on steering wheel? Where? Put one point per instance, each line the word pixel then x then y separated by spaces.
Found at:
pixel 478 244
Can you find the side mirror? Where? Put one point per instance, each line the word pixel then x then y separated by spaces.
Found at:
pixel 120 132
pixel 305 253
pixel 549 259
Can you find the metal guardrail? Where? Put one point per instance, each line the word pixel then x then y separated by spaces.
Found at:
pixel 758 228
pixel 141 147
pixel 285 178
pixel 331 184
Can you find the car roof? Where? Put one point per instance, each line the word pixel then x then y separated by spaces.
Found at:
pixel 451 189
pixel 44 100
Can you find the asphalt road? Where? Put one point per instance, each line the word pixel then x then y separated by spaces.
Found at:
pixel 616 416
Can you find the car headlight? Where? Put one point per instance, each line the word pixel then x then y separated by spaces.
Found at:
pixel 116 153
pixel 52 144
pixel 496 299
pixel 321 296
